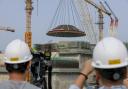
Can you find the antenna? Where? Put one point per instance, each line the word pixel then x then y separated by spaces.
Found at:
pixel 37 7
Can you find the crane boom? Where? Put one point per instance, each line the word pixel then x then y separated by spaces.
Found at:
pixel 114 22
pixel 102 5
pixel 100 11
pixel 97 7
pixel 7 29
pixel 111 10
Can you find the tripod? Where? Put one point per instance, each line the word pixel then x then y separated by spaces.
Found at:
pixel 40 65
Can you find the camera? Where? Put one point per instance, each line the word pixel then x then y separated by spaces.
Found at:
pixel 40 65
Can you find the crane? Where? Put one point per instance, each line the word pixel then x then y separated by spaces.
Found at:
pixel 7 29
pixel 100 11
pixel 28 33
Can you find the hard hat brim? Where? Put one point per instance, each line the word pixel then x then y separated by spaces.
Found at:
pixel 109 66
pixel 17 62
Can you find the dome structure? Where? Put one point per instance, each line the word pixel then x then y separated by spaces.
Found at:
pixel 66 31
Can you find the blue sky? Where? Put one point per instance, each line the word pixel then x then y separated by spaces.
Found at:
pixel 12 14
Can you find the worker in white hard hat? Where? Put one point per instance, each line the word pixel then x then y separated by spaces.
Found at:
pixel 110 65
pixel 17 58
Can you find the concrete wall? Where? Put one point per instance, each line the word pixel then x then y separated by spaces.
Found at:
pixel 63 79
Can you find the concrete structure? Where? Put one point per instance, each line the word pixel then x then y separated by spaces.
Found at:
pixel 3 73
pixel 68 58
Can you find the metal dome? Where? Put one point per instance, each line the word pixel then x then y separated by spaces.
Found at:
pixel 66 31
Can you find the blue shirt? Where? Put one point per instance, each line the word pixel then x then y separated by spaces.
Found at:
pixel 9 84
pixel 103 87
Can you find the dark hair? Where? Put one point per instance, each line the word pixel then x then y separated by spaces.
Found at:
pixel 19 68
pixel 113 74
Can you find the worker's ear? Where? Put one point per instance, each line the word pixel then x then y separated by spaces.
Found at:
pixel 28 65
pixel 98 76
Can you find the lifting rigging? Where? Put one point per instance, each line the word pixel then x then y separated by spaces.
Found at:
pixel 66 21
pixel 87 20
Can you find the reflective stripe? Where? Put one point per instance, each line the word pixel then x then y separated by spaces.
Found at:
pixel 14 59
pixel 113 62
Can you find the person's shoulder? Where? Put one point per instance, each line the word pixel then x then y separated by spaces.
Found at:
pixel 73 86
pixel 31 86
pixel 4 84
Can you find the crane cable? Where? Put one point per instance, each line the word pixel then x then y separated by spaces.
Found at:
pixel 63 11
pixel 91 35
pixel 77 16
pixel 56 12
pixel 84 23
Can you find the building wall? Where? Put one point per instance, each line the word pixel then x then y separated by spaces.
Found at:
pixel 3 76
pixel 63 80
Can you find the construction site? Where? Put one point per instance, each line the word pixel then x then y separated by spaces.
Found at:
pixel 71 35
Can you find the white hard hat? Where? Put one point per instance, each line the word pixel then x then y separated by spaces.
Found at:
pixel 110 53
pixel 17 52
